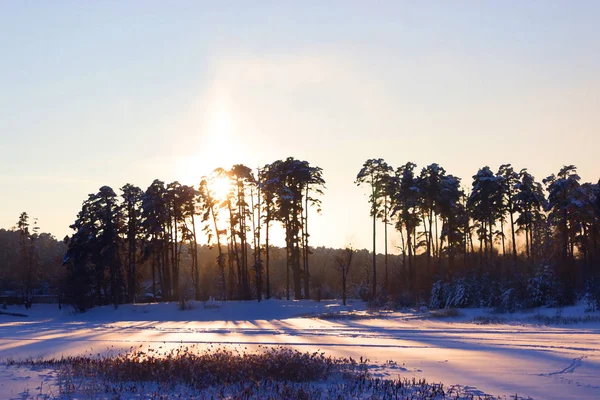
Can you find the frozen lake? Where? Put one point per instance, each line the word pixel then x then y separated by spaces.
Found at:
pixel 516 356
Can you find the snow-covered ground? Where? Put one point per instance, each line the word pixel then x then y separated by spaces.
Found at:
pixel 513 354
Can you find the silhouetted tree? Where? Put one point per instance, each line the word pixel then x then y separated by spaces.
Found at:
pixel 343 263
pixel 132 202
pixel 405 207
pixel 210 216
pixel 374 173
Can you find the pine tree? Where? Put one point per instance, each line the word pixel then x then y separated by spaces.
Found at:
pixel 453 214
pixel 210 208
pixel 374 173
pixel 93 252
pixel 154 224
pixel 293 180
pixel 27 258
pixel 242 178
pixel 405 207
pixel 269 183
pixel 562 216
pixel 509 181
pixel 132 202
pixel 485 206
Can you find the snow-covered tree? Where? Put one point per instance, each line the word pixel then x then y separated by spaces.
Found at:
pixel 405 208
pixel 484 205
pixel 508 206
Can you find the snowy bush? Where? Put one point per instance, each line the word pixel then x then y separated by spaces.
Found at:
pixel 459 295
pixel 509 301
pixel 542 288
pixel 486 291
pixel 592 295
pixel 446 295
pixel 363 291
pixel 323 292
pixel 437 299
pixel 211 303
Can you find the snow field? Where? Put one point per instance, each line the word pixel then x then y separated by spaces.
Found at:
pixel 517 356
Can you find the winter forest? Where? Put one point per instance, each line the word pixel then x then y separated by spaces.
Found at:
pixel 502 239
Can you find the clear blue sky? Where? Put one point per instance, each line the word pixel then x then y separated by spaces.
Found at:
pixel 105 93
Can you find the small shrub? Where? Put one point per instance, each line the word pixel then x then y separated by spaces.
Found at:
pixel 543 288
pixel 509 301
pixel 363 292
pixel 592 295
pixel 211 303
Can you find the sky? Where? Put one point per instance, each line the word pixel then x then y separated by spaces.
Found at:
pixel 113 92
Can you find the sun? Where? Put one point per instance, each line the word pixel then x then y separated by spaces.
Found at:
pixel 220 187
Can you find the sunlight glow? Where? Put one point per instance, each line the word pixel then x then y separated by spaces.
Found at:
pixel 220 187
pixel 218 146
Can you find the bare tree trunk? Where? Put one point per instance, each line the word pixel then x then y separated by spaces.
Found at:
pixel 374 290
pixel 527 244
pixel 410 261
pixel 385 225
pixel 231 272
pixel 514 240
pixel 344 289
pixel 491 239
pixel 403 248
pixel 502 233
pixel 437 243
pixel 267 258
pixel 195 258
pixel 153 277
pixel 306 250
pixel 288 250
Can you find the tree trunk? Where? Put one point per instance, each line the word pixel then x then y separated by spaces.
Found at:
pixel 527 244
pixel 306 250
pixel 175 255
pixel 343 288
pixel 295 249
pixel 374 290
pixel 514 240
pixel 195 258
pixel 491 239
pixel 288 252
pixel 404 266
pixel 267 257
pixel 410 262
pixel 385 233
pixel 502 233
pixel 437 243
pixel 153 277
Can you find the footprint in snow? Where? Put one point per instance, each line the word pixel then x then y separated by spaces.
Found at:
pixel 576 363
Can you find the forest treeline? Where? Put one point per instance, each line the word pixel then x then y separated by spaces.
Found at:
pixel 505 240
pixel 508 240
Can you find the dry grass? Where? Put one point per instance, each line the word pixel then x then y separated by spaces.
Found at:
pixel 222 373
